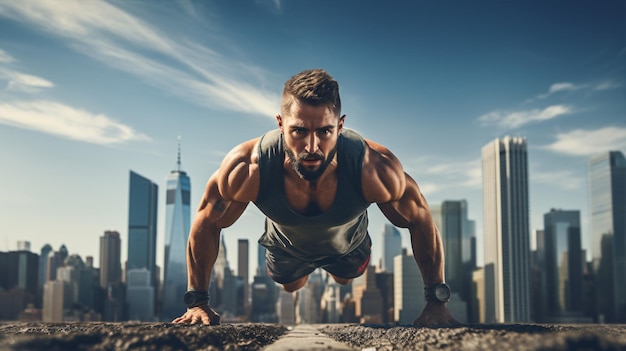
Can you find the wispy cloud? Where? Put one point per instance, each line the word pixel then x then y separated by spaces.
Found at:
pixel 67 122
pixel 5 58
pixel 568 86
pixel 581 142
pixel 18 81
pixel 122 41
pixel 563 179
pixel 515 119
pixel 436 175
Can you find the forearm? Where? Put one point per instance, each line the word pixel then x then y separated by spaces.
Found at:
pixel 428 251
pixel 202 250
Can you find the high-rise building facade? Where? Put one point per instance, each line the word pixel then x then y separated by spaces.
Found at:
pixel 142 220
pixel 607 199
pixel 506 228
pixel 140 295
pixel 408 289
pixel 392 246
pixel 456 235
pixel 110 258
pixel 177 224
pixel 243 270
pixel 563 263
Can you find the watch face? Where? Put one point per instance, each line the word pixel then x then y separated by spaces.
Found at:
pixel 442 292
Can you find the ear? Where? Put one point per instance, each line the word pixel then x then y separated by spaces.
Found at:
pixel 340 125
pixel 279 119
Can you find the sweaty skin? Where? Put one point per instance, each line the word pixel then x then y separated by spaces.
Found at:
pixel 309 130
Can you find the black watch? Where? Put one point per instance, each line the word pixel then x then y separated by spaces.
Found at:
pixel 195 298
pixel 437 293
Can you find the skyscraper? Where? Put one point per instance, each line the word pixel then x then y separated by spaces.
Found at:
pixel 142 219
pixel 110 258
pixel 457 232
pixel 177 224
pixel 506 228
pixel 563 263
pixel 408 288
pixel 242 269
pixel 392 246
pixel 607 195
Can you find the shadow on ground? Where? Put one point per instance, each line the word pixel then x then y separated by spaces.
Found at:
pixel 136 336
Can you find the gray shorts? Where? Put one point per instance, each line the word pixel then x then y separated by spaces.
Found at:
pixel 285 268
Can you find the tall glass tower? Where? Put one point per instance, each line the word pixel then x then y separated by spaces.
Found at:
pixel 456 232
pixel 506 228
pixel 607 199
pixel 563 263
pixel 177 224
pixel 142 220
pixel 392 246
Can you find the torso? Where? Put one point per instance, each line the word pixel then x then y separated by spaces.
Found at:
pixel 310 198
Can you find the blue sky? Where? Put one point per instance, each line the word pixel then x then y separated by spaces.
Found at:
pixel 91 90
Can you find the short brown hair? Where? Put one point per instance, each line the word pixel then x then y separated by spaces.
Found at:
pixel 312 87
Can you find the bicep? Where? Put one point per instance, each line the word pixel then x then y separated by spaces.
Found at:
pixel 215 210
pixel 238 178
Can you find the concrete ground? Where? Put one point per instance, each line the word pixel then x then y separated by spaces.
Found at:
pixel 269 337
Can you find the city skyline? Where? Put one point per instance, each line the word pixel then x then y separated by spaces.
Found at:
pixel 91 90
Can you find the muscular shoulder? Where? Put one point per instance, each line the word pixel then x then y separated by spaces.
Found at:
pixel 238 176
pixel 383 176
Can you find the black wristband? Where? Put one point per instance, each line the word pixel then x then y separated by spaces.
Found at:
pixel 194 298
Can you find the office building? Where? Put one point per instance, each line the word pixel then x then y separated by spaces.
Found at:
pixel 56 259
pixel 506 228
pixel 607 199
pixel 110 258
pixel 367 297
pixel 142 219
pixel 456 234
pixel 286 308
pixel 140 295
pixel 408 288
pixel 331 303
pixel 177 224
pixel 392 246
pixel 57 296
pixel 563 264
pixel 242 271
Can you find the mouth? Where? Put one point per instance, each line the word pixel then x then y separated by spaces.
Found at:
pixel 310 162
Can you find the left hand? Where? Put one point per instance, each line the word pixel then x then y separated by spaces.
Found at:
pixel 436 314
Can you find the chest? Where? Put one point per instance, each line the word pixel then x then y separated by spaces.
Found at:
pixel 310 198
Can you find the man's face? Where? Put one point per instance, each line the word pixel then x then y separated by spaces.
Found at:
pixel 310 137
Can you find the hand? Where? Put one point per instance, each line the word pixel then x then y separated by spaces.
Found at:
pixel 436 314
pixel 200 314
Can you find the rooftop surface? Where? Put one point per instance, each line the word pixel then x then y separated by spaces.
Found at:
pixel 272 337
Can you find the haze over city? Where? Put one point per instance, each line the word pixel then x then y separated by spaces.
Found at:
pixel 91 90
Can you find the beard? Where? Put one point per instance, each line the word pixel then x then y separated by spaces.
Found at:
pixel 307 173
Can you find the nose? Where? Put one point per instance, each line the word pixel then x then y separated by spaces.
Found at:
pixel 313 143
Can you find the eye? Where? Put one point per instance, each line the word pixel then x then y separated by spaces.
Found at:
pixel 324 132
pixel 299 132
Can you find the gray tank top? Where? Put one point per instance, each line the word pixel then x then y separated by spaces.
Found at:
pixel 333 233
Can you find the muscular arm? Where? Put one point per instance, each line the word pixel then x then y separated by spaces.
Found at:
pixel 214 213
pixel 227 194
pixel 399 198
pixel 411 211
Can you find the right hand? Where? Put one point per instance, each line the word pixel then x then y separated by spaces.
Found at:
pixel 201 314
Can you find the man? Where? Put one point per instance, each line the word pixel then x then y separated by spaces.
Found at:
pixel 314 180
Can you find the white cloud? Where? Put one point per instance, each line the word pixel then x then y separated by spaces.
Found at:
pixel 563 179
pixel 64 121
pixel 122 41
pixel 515 119
pixel 581 142
pixel 5 58
pixel 438 176
pixel 25 82
pixel 608 85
